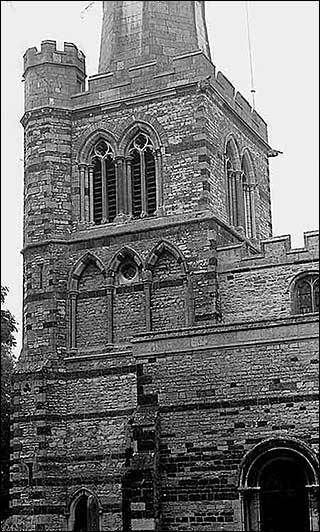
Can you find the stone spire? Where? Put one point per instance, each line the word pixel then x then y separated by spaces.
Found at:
pixel 137 32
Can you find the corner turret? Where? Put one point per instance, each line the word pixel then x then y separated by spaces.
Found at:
pixel 52 76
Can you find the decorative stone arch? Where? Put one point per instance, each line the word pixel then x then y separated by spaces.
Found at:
pixel 75 499
pixel 118 271
pixel 293 287
pixel 120 256
pixel 252 467
pixel 162 247
pixel 247 156
pixel 80 266
pixel 87 142
pixel 231 141
pixel 140 122
pixel 73 289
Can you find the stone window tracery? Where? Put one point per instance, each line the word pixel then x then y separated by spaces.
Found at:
pixel 306 294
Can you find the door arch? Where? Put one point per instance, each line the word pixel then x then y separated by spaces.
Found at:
pixel 278 485
pixel 84 512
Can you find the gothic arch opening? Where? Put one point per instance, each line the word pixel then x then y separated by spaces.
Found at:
pixel 278 481
pixel 125 270
pixel 232 170
pixel 104 188
pixel 169 288
pixel 88 306
pixel 84 512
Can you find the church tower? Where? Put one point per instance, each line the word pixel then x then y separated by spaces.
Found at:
pixel 136 185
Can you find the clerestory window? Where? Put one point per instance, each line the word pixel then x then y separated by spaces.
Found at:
pixel 104 183
pixel 143 176
pixel 306 294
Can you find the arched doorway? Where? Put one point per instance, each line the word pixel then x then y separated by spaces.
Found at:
pixel 283 497
pixel 84 512
pixel 278 484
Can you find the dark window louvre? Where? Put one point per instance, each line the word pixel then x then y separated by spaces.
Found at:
pixel 97 192
pixel 111 189
pixel 150 166
pixel 136 185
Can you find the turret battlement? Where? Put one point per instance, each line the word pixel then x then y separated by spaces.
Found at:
pixel 70 55
pixel 276 250
pixel 52 76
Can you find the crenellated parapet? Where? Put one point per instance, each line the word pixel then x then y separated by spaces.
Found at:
pixel 51 76
pixel 273 251
pixel 70 55
pixel 192 68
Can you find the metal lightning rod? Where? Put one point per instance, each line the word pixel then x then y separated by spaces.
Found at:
pixel 252 90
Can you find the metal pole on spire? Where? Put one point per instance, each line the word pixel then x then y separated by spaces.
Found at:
pixel 252 90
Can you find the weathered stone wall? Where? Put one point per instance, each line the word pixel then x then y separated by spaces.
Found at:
pixel 220 392
pixel 219 363
pixel 260 286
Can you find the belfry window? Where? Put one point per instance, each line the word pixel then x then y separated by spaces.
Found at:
pixel 306 294
pixel 143 176
pixel 104 183
pixel 234 187
pixel 231 192
pixel 247 199
pixel 240 190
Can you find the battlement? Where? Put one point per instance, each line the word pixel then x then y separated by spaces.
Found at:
pixel 273 251
pixel 192 67
pixel 70 55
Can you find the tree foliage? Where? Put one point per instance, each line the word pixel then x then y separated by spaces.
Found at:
pixel 8 329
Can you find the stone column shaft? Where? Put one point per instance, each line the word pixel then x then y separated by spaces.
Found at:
pixel 91 206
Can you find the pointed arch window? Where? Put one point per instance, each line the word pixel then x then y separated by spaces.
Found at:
pixel 104 183
pixel 306 294
pixel 230 188
pixel 85 514
pixel 143 176
pixel 233 212
pixel 247 198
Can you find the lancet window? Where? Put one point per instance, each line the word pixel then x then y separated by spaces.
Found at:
pixel 240 191
pixel 247 188
pixel 143 176
pixel 104 183
pixel 230 190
